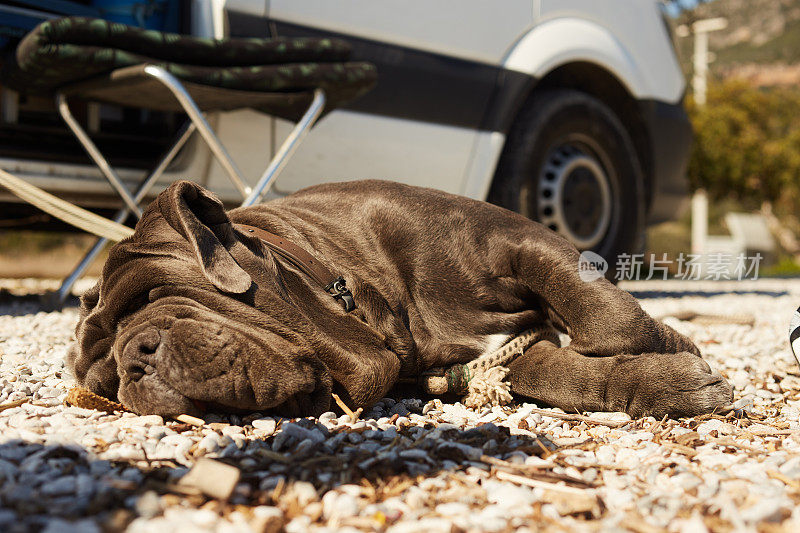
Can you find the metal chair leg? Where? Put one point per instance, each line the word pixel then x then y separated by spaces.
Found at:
pixel 197 122
pixel 146 184
pixel 287 149
pixel 196 116
pixel 96 155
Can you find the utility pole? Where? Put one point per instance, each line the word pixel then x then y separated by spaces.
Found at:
pixel 700 59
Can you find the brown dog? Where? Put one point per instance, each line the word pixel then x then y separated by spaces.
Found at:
pixel 192 309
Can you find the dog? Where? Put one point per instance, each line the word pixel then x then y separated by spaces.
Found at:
pixel 196 311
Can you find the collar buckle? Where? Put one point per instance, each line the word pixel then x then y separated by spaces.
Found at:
pixel 338 289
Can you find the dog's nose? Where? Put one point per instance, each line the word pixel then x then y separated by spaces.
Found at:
pixel 138 352
pixel 145 342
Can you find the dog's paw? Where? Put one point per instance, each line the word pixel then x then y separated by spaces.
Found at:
pixel 638 335
pixel 678 384
pixel 672 342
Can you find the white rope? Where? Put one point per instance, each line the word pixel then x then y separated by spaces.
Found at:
pixel 69 213
pixel 488 388
pixel 482 381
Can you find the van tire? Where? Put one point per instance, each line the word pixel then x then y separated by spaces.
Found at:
pixel 569 163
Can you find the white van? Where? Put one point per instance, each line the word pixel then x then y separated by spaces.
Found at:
pixel 568 111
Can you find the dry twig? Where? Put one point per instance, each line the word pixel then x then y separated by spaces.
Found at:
pixel 581 418
pixel 15 403
pixel 349 412
pixel 727 441
pixel 784 479
pixel 528 482
pixel 680 448
pixel 535 472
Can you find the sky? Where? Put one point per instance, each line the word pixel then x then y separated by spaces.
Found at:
pixel 674 7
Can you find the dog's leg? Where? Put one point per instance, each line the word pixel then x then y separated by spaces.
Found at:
pixel 600 318
pixel 678 384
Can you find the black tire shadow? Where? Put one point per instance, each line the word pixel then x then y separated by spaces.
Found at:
pixel 15 304
pixel 107 491
pixel 645 294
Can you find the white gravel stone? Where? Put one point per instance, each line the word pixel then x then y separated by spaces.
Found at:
pixel 209 444
pixel 339 505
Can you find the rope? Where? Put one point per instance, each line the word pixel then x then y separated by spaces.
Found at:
pixel 481 381
pixel 69 213
pixel 706 319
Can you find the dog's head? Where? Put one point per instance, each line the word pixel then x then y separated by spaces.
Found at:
pixel 189 310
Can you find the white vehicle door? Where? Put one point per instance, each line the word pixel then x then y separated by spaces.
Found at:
pixel 437 69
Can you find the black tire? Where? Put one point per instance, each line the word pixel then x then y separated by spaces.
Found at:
pixel 569 163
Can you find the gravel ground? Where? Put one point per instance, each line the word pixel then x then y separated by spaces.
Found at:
pixel 411 464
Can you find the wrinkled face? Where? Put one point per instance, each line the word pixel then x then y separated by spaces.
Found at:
pixel 190 311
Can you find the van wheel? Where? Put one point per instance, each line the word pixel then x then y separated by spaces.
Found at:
pixel 569 164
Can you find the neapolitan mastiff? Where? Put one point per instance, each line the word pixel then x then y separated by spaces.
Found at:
pixel 196 308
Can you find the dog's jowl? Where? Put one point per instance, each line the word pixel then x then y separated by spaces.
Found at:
pixel 199 309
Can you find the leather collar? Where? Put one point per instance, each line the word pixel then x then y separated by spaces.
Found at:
pixel 307 263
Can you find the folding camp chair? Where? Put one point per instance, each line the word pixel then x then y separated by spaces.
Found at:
pixel 96 60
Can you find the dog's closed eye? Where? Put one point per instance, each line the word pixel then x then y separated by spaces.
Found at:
pixel 135 304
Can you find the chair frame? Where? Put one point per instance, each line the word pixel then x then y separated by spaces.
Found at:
pixel 196 123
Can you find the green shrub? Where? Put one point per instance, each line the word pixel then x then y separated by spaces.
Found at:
pixel 747 144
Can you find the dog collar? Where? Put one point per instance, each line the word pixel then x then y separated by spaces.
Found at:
pixel 331 283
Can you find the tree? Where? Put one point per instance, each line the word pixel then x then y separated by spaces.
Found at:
pixel 747 144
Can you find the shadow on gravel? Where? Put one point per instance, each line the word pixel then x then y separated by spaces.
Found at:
pixel 43 483
pixel 16 304
pixel 305 450
pixel 642 295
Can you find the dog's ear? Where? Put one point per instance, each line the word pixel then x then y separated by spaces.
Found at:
pixel 199 216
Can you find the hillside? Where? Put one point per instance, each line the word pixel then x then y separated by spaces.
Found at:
pixel 761 43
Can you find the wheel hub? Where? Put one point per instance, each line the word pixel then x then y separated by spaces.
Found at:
pixel 574 196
